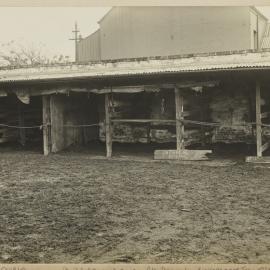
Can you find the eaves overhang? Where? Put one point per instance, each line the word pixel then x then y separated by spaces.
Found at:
pixel 181 64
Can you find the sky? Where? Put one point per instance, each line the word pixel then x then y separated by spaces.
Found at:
pixel 51 28
pixel 48 28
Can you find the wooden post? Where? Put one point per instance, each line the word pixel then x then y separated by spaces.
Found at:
pixel 108 126
pixel 46 124
pixel 21 124
pixel 60 137
pixel 258 120
pixel 179 108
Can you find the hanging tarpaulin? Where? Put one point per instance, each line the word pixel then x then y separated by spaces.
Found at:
pixel 126 89
pixel 23 96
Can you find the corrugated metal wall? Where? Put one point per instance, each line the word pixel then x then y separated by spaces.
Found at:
pixel 266 38
pixel 257 24
pixel 131 32
pixel 89 48
pixel 160 31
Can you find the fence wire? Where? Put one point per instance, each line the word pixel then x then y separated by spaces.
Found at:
pixel 192 122
pixel 46 125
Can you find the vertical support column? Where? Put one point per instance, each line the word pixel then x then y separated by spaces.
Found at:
pixel 258 120
pixel 108 128
pixel 179 109
pixel 46 124
pixel 202 118
pixel 60 137
pixel 22 132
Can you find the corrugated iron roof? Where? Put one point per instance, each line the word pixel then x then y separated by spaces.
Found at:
pixel 210 62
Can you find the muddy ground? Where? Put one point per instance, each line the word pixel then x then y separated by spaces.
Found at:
pixel 74 208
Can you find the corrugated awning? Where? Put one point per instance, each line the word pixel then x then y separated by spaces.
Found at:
pixel 246 60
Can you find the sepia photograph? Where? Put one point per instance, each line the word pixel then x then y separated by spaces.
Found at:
pixel 135 134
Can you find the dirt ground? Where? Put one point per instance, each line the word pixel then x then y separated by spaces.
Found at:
pixel 74 208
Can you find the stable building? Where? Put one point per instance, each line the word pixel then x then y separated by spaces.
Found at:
pixel 192 99
pixel 188 76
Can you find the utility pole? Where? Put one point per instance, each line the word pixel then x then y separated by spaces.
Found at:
pixel 76 39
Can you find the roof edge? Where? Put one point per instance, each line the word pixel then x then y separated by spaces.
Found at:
pixel 258 12
pixel 181 56
pixel 89 35
pixel 106 15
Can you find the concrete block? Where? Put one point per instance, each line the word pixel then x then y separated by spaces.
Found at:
pixel 182 154
pixel 254 159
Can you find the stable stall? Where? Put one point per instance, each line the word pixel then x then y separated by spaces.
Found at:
pixel 185 100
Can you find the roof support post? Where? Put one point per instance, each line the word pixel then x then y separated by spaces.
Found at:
pixel 258 120
pixel 46 113
pixel 108 127
pixel 22 131
pixel 179 109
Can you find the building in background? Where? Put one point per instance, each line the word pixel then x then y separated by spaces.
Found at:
pixel 133 32
pixel 207 89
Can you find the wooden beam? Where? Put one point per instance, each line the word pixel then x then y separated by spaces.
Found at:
pixel 197 84
pixel 58 91
pixel 120 89
pixel 45 92
pixel 46 124
pixel 258 120
pixel 108 128
pixel 116 89
pixel 162 121
pixel 179 108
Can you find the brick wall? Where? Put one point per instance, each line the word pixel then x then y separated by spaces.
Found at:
pixel 159 105
pixel 231 104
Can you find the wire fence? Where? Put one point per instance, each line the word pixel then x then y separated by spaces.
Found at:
pixel 191 122
pixel 46 125
pixel 217 124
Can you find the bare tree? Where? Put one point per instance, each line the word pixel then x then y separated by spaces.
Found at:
pixel 16 55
